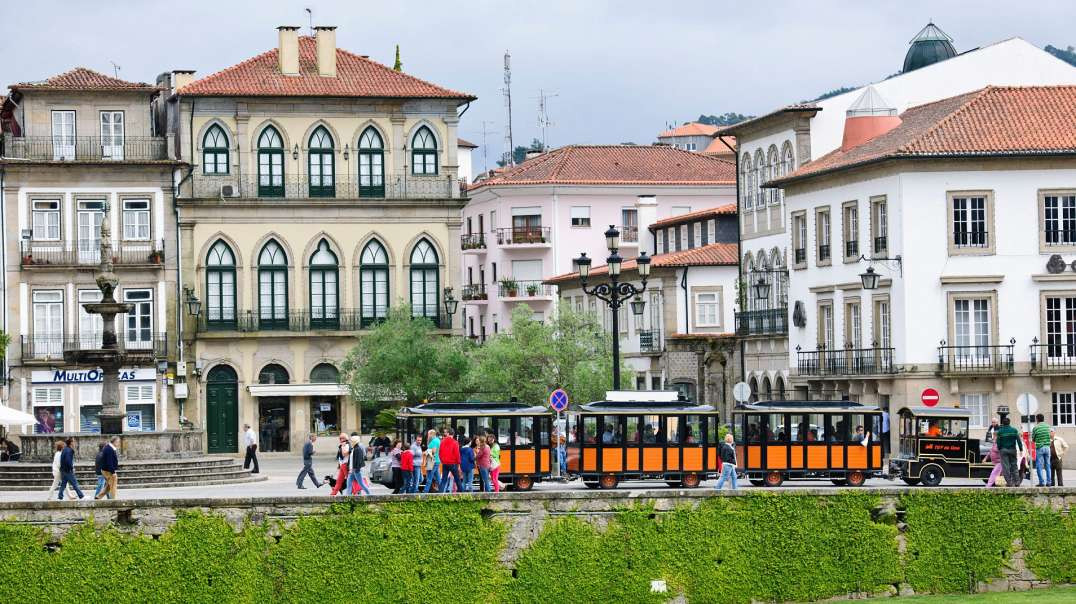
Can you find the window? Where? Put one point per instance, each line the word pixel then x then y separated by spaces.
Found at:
pixel 373 283
pixel 972 327
pixel 977 406
pixel 423 152
pixel 629 221
pixel 682 242
pixel 215 151
pixel 580 216
pixel 880 225
pixel 90 326
pixel 46 216
pixel 493 265
pixel 220 286
pixel 135 219
pixel 321 164
pixel 1060 327
pixel 272 287
pixel 799 239
pixel 853 324
pixel 140 407
pixel 970 221
pixel 851 231
pixel 822 224
pixel 324 292
pixel 48 309
pixel 825 325
pixel 1059 219
pixel 90 215
pixel 139 332
pixel 63 135
pixel 708 309
pixel 48 402
pixel 112 135
pixel 1064 409
pixel 761 175
pixel 709 235
pixel 696 235
pixel 882 333
pixel 425 293
pixel 270 163
pixel 746 200
pixel 526 224
pixel 772 172
pixel 371 164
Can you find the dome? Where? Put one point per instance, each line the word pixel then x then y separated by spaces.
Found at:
pixel 929 46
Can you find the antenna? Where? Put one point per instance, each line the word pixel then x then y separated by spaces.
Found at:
pixel 115 69
pixel 485 157
pixel 508 146
pixel 310 16
pixel 543 114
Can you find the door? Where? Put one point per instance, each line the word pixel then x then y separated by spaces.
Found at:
pixel 90 326
pixel 112 135
pixel 63 135
pixel 89 232
pixel 273 423
pixel 222 410
pixel 139 332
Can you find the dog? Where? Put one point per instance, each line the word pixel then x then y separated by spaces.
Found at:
pixel 331 481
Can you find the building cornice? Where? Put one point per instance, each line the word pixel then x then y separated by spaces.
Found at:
pixel 966 279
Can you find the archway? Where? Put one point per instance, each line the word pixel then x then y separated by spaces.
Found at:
pixel 274 412
pixel 222 410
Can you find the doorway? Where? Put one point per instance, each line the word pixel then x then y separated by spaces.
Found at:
pixel 222 410
pixel 274 421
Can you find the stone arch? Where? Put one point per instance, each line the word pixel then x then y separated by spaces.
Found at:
pixel 334 245
pixel 256 132
pixel 233 136
pixel 212 239
pixel 437 137
pixel 386 137
pixel 338 141
pixel 279 239
pixel 384 241
pixel 221 362
pixel 442 258
pixel 278 363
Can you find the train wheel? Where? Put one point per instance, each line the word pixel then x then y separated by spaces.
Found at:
pixel 910 481
pixel 524 483
pixel 691 481
pixel 856 478
pixel 931 475
pixel 590 484
pixel 608 481
pixel 758 482
pixel 773 479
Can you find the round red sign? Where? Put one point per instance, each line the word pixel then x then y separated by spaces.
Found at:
pixel 930 397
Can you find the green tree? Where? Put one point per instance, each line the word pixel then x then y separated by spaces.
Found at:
pixel 725 119
pixel 519 154
pixel 1067 55
pixel 402 359
pixel 4 341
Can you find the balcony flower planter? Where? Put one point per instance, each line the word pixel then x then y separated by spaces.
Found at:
pixel 510 286
pixel 156 257
pixel 532 290
pixel 28 259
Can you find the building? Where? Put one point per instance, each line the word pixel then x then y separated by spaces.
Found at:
pixel 79 148
pixel 967 206
pixel 464 158
pixel 525 224
pixel 683 339
pixel 776 144
pixel 692 136
pixel 324 187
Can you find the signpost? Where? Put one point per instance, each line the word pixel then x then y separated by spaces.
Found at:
pixel 741 392
pixel 558 400
pixel 930 397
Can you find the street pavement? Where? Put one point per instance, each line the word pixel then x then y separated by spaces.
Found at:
pixel 281 469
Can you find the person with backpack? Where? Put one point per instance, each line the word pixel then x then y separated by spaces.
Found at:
pixel 356 463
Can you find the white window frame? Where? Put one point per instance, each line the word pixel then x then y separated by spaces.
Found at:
pixel 136 220
pixel 135 334
pixel 1063 409
pixel 45 220
pixel 977 406
pixel 707 312
pixel 580 217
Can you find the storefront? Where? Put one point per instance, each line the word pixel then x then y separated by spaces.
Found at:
pixel 288 413
pixel 70 400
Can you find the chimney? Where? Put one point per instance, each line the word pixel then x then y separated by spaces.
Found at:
pixel 326 41
pixel 646 211
pixel 868 118
pixel 180 78
pixel 288 50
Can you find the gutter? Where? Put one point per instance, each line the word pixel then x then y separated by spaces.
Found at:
pixel 739 262
pixel 3 272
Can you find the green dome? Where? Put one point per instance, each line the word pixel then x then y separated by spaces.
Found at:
pixel 929 46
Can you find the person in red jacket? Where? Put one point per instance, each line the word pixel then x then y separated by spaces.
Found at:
pixel 407 467
pixel 449 454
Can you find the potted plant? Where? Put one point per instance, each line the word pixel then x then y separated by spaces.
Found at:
pixel 156 256
pixel 532 289
pixel 510 287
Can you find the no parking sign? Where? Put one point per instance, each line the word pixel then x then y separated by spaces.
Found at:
pixel 558 400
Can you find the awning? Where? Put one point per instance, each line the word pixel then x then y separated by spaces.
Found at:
pixel 298 390
pixel 14 417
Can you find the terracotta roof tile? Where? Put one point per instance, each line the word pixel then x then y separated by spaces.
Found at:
pixel 466 144
pixel 714 254
pixel 81 78
pixel 1007 121
pixel 722 145
pixel 690 129
pixel 356 76
pixel 617 164
pixel 725 210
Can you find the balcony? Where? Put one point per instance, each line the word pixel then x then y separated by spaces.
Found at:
pixel 524 237
pixel 473 243
pixel 881 244
pixel 474 293
pixel 303 321
pixel 84 148
pixel 650 341
pixel 511 290
pixel 994 359
pixel 67 253
pixel 1053 358
pixel 772 321
pixel 851 249
pixel 227 186
pixel 800 256
pixel 847 362
pixel 823 253
pixel 973 238
pixel 629 234
pixel 52 348
pixel 1060 237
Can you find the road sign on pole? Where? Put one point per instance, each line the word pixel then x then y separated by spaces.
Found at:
pixel 741 392
pixel 1027 404
pixel 930 397
pixel 558 400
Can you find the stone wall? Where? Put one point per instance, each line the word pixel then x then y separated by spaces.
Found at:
pixel 133 445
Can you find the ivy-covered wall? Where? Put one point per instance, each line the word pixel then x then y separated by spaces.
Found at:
pixel 766 546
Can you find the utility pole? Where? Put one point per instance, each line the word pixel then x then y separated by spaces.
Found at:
pixel 543 115
pixel 509 147
pixel 485 147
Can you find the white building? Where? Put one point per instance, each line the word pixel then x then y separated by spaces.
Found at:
pixel 976 196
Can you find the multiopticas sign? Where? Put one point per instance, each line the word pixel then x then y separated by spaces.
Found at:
pixel 69 376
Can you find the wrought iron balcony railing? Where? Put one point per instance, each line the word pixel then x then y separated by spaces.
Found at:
pixel 989 359
pixel 304 320
pixel 762 322
pixel 881 243
pixel 851 249
pixel 523 235
pixel 849 361
pixel 474 291
pixel 84 148
pixel 510 288
pixel 87 252
pixel 650 341
pixel 228 186
pixel 629 234
pixel 52 347
pixel 971 238
pixel 1057 357
pixel 1060 236
pixel 823 252
pixel 800 255
pixel 474 241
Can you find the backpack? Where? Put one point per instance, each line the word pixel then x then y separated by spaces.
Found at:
pixel 358 458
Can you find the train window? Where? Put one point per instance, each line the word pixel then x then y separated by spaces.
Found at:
pixel 672 427
pixel 590 429
pixel 503 428
pixel 610 429
pixel 775 427
pixel 462 429
pixel 525 435
pixel 711 429
pixel 798 428
pixel 839 428
pixel 692 433
pixel 754 429
pixel 633 432
pixel 651 426
pixel 857 429
pixel 943 427
pixel 483 425
pixel 875 429
pixel 543 431
pixel 815 428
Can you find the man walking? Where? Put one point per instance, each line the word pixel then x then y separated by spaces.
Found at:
pixel 728 463
pixel 1008 440
pixel 358 460
pixel 251 441
pixel 97 469
pixel 1058 448
pixel 67 470
pixel 110 462
pixel 308 464
pixel 1040 436
pixel 449 453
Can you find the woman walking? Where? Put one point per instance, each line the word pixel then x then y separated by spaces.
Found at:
pixel 397 468
pixel 56 454
pixel 995 458
pixel 482 462
pixel 343 454
pixel 495 463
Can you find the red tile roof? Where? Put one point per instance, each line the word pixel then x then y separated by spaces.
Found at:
pixel 714 254
pixel 722 145
pixel 617 165
pixel 725 210
pixel 356 76
pixel 690 129
pixel 81 78
pixel 465 143
pixel 993 121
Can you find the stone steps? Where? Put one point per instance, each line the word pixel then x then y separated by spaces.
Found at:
pixel 192 471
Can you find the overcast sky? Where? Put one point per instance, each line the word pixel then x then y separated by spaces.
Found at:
pixel 620 69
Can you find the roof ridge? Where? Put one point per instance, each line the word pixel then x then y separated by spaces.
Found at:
pixel 975 97
pixel 392 71
pixel 229 68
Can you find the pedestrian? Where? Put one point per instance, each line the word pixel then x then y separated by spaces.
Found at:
pixel 396 465
pixel 728 463
pixel 407 467
pixel 1008 441
pixel 885 432
pixel 11 450
pixel 357 461
pixel 433 460
pixel 343 459
pixel 449 453
pixel 110 463
pixel 482 461
pixel 250 438
pixel 992 431
pixel 97 469
pixel 416 461
pixel 495 462
pixel 67 470
pixel 1040 437
pixel 308 464
pixel 467 466
pixel 57 451
pixel 1058 448
pixel 562 453
pixel 995 458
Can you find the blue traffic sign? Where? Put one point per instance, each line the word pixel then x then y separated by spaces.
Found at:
pixel 558 400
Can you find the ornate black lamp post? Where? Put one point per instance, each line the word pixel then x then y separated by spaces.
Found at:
pixel 614 293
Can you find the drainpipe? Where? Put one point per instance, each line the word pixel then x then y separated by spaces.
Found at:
pixel 739 256
pixel 3 269
pixel 687 314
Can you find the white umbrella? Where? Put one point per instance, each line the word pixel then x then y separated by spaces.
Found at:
pixel 14 417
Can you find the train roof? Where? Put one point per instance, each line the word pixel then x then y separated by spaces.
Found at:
pixel 805 407
pixel 947 412
pixel 467 408
pixel 648 407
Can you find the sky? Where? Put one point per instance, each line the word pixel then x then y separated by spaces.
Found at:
pixel 615 71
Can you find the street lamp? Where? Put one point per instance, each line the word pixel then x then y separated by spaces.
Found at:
pixel 869 278
pixel 194 305
pixel 451 305
pixel 762 289
pixel 614 293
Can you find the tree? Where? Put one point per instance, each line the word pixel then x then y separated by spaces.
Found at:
pixel 1067 55
pixel 571 351
pixel 725 119
pixel 402 359
pixel 519 154
pixel 831 93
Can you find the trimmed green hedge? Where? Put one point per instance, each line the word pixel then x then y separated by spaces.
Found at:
pixel 763 546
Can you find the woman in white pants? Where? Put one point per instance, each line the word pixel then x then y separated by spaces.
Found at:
pixel 56 473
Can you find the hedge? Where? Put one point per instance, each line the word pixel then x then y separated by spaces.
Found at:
pixel 762 546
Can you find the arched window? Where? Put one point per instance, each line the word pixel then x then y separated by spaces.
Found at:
pixel 425 295
pixel 371 164
pixel 272 287
pixel 321 164
pixel 220 310
pixel 745 181
pixel 324 293
pixel 774 171
pixel 423 152
pixel 273 374
pixel 373 283
pixel 789 164
pixel 324 373
pixel 780 282
pixel 270 163
pixel 760 177
pixel 215 151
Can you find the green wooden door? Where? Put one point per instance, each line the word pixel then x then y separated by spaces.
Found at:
pixel 222 410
